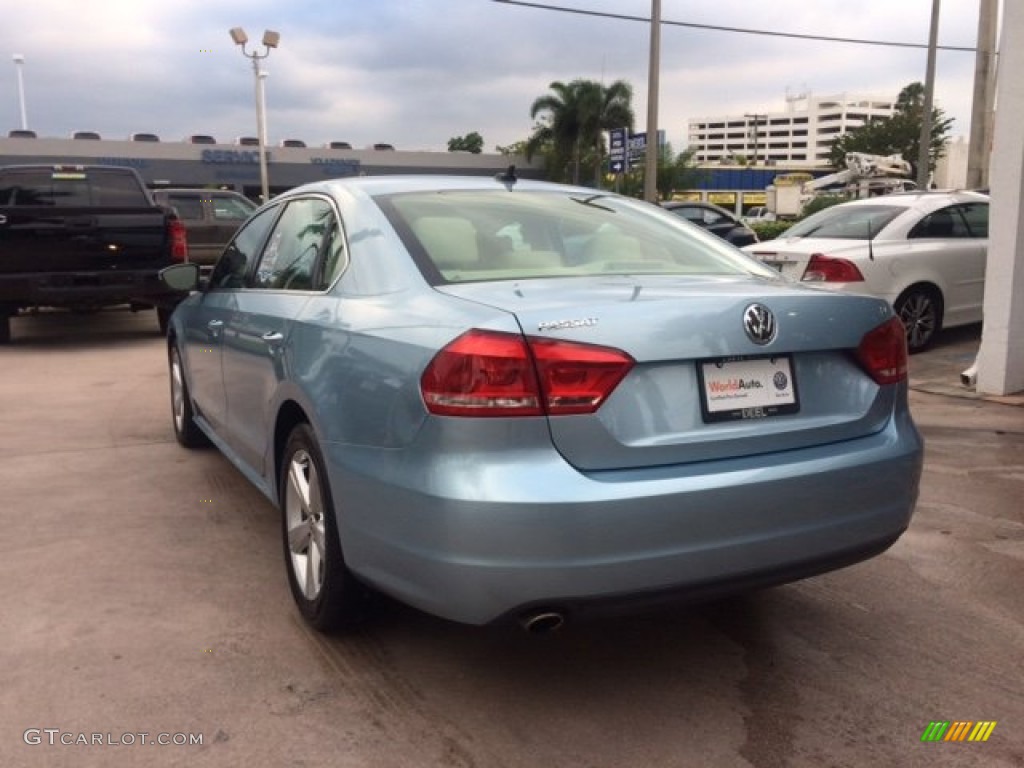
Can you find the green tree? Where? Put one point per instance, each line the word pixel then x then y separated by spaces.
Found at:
pixel 471 142
pixel 675 172
pixel 570 126
pixel 897 135
pixel 515 148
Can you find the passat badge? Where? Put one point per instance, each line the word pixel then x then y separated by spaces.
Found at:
pixel 561 325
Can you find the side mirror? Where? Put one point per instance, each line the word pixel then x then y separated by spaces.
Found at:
pixel 180 277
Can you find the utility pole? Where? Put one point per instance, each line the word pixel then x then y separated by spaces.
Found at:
pixel 653 150
pixel 753 133
pixel 982 116
pixel 926 110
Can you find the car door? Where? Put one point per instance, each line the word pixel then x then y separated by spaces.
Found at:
pixel 944 250
pixel 975 215
pixel 287 274
pixel 206 321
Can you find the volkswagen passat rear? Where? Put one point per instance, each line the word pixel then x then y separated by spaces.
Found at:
pixel 504 398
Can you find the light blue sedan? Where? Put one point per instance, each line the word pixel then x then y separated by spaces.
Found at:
pixel 495 398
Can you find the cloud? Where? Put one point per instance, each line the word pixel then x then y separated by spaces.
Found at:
pixel 416 72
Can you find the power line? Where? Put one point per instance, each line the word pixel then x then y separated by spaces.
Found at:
pixel 739 30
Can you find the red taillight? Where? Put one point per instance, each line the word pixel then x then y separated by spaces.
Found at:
pixel 577 378
pixel 883 352
pixel 490 373
pixel 829 269
pixel 179 240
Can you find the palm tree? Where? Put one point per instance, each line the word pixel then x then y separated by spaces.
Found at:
pixel 573 118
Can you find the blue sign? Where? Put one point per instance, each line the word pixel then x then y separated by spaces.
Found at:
pixel 128 162
pixel 637 146
pixel 336 166
pixel 231 156
pixel 618 162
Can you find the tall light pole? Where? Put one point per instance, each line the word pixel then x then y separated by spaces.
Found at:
pixel 653 150
pixel 923 153
pixel 19 63
pixel 270 40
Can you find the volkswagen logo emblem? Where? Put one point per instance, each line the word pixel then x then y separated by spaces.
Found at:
pixel 759 323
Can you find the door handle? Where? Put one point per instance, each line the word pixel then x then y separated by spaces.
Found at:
pixel 213 328
pixel 273 337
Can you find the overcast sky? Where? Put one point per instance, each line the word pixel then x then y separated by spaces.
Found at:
pixel 414 73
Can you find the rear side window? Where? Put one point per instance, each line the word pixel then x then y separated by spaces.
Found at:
pixel 241 252
pixel 297 247
pixel 976 216
pixel 188 208
pixel 231 209
pixel 71 189
pixel 943 223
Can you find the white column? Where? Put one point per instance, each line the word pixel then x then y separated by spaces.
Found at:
pixel 1001 359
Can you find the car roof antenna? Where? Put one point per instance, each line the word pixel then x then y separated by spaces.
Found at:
pixel 508 176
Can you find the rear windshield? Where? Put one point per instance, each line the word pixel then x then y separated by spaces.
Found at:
pixel 846 222
pixel 466 236
pixel 71 189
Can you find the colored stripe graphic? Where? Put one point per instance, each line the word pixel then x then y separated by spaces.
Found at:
pixel 958 730
pixel 982 730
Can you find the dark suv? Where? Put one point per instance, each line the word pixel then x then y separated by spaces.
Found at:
pixel 211 217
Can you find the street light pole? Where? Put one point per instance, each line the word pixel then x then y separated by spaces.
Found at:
pixel 653 150
pixel 261 126
pixel 923 150
pixel 19 63
pixel 270 40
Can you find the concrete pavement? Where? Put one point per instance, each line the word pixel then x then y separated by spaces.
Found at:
pixel 142 590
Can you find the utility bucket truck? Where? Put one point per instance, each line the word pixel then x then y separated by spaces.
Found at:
pixel 865 175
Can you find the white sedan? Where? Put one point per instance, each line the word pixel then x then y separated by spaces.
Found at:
pixel 924 252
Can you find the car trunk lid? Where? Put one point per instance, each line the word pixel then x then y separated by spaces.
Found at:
pixel 791 256
pixel 680 402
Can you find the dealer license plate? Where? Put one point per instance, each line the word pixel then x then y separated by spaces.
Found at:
pixel 747 388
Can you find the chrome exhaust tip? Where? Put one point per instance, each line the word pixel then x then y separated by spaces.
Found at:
pixel 543 622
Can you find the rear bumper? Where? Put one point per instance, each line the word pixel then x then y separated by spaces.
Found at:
pixel 70 289
pixel 475 541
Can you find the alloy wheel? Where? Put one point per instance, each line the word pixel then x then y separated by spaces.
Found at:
pixel 919 315
pixel 177 393
pixel 304 524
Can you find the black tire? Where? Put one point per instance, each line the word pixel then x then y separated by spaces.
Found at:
pixel 163 318
pixel 5 329
pixel 919 308
pixel 182 416
pixel 327 594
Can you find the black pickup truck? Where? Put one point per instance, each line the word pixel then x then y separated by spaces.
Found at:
pixel 83 237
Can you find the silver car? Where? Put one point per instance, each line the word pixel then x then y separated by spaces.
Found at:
pixel 499 399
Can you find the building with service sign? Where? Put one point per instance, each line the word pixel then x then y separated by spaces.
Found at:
pixel 185 164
